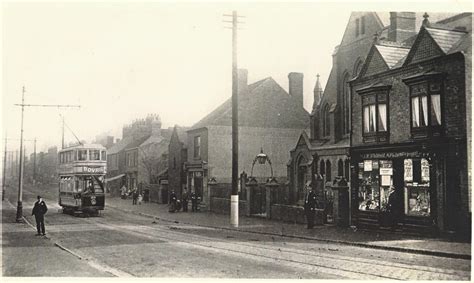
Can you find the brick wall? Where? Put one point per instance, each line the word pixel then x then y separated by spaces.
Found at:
pixel 276 143
pixel 399 99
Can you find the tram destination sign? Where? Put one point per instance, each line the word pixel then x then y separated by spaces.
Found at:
pixel 88 169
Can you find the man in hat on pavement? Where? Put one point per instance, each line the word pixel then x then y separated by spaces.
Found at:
pixel 39 210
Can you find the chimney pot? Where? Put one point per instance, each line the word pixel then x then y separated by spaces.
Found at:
pixel 402 26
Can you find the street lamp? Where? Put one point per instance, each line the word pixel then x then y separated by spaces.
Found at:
pixel 262 158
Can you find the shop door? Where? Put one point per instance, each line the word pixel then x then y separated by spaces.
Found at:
pixel 398 184
pixel 198 186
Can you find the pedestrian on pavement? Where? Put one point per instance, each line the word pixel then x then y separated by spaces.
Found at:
pixel 140 198
pixel 185 199
pixel 134 196
pixel 123 192
pixel 39 210
pixel 194 201
pixel 173 200
pixel 310 207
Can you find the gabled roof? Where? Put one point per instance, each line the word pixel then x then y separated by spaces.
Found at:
pixel 392 54
pixel 445 39
pixel 266 105
pixel 136 143
pixel 119 146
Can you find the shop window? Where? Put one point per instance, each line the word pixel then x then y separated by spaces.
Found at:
pixel 417 187
pixel 375 183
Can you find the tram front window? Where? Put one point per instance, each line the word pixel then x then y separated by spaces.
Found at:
pixel 94 154
pixel 82 155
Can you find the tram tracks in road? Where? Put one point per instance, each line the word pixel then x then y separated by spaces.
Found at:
pixel 350 267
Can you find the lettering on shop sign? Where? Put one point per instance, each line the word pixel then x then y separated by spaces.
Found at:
pixel 381 155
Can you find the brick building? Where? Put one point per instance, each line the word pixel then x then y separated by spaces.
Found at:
pixel 270 119
pixel 409 118
pixel 177 156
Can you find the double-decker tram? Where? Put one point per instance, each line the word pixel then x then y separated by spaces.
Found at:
pixel 82 172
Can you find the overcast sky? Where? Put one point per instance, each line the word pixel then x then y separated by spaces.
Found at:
pixel 123 60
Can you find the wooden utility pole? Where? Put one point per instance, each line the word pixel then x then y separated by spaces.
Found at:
pixel 19 209
pixel 4 175
pixel 234 199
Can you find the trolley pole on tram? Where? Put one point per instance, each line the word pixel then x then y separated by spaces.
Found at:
pixel 19 209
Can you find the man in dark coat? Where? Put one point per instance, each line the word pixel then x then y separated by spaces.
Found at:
pixel 310 207
pixel 185 199
pixel 173 200
pixel 194 201
pixel 39 210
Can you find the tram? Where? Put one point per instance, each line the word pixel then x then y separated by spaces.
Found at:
pixel 82 172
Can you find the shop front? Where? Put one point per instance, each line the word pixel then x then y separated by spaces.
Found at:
pixel 394 188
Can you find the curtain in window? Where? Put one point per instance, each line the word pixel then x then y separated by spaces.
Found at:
pixel 424 108
pixel 436 109
pixel 382 117
pixel 366 119
pixel 415 112
pixel 373 118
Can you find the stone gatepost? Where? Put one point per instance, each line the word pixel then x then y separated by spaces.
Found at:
pixel 211 186
pixel 341 209
pixel 271 188
pixel 251 185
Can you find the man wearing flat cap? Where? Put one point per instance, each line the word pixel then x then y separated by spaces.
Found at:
pixel 39 210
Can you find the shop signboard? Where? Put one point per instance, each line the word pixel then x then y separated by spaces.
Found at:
pixel 386 171
pixel 367 165
pixel 408 170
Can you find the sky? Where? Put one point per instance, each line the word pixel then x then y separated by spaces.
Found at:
pixel 123 60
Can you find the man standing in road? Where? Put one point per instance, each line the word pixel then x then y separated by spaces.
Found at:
pixel 310 207
pixel 194 201
pixel 39 210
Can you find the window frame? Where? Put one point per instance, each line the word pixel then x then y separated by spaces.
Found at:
pixel 428 80
pixel 376 96
pixel 197 147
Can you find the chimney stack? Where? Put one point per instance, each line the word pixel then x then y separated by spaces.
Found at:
pixel 402 26
pixel 242 85
pixel 296 87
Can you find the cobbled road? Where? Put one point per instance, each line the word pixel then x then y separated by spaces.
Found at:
pixel 129 245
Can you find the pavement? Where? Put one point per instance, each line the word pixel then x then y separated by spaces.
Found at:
pixel 24 254
pixel 327 233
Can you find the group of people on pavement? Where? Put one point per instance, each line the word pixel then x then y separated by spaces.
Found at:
pixel 175 204
pixel 137 196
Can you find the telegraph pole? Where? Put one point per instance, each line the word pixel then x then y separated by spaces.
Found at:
pixel 34 164
pixel 234 198
pixel 62 139
pixel 19 209
pixel 4 175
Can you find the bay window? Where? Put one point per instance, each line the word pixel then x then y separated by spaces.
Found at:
pixel 425 104
pixel 375 126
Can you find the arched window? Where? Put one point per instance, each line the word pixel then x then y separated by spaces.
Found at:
pixel 345 104
pixel 328 170
pixel 347 170
pixel 340 168
pixel 300 175
pixel 326 125
pixel 322 168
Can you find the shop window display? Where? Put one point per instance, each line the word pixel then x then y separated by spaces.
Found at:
pixel 417 187
pixel 375 179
